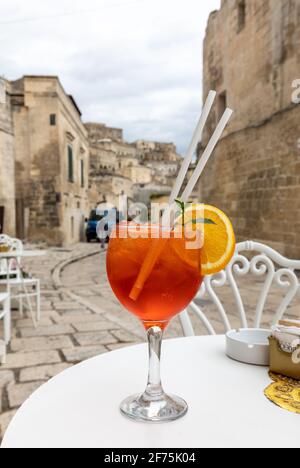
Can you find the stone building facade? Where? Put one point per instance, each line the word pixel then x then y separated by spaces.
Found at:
pixel 110 157
pixel 7 162
pixel 55 169
pixel 139 170
pixel 162 158
pixel 99 132
pixel 51 162
pixel 252 57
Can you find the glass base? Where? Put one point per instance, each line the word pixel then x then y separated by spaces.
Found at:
pixel 142 408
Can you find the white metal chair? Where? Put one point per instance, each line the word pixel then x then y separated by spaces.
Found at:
pixel 265 262
pixel 11 276
pixel 6 316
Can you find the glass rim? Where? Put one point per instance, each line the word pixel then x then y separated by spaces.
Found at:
pixel 130 226
pixel 155 231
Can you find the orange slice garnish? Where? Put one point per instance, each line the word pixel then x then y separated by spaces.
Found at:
pixel 218 234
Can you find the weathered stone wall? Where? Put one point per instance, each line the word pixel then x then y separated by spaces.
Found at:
pixel 110 157
pixel 98 132
pixel 150 151
pixel 254 175
pixel 164 173
pixel 254 66
pixel 53 208
pixel 108 188
pixel 74 206
pixel 138 174
pixel 7 162
pixel 102 161
pixel 123 149
pixel 138 169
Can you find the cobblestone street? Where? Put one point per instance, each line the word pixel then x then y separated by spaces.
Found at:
pixel 81 319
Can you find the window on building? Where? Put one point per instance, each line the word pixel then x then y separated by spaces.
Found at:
pixel 222 103
pixel 70 164
pixel 52 120
pixel 82 172
pixel 242 11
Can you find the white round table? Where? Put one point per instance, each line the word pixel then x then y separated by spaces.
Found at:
pixel 227 406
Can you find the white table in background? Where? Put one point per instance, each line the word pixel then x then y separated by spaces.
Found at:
pixel 22 254
pixel 227 406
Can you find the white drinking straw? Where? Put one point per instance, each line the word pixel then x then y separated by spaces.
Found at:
pixel 206 155
pixel 193 146
pixel 157 247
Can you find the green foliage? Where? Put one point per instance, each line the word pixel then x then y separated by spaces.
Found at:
pixel 182 205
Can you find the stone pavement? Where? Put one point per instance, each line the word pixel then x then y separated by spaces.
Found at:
pixel 81 319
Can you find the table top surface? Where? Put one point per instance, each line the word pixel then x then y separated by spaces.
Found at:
pixel 23 253
pixel 227 406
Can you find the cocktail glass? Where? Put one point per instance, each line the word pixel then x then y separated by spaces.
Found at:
pixel 171 286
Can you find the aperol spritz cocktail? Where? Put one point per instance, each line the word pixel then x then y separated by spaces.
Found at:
pixel 171 285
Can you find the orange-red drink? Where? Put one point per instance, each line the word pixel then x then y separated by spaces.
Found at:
pixel 155 273
pixel 173 282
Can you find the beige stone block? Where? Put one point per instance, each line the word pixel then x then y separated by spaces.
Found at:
pixel 41 343
pixel 106 305
pixel 73 319
pixel 128 322
pixel 90 339
pixel 125 336
pixel 62 306
pixel 6 376
pixel 75 311
pixel 81 353
pixel 90 326
pixel 47 331
pixel 19 360
pixel 42 372
pixel 116 346
pixel 18 393
pixel 27 323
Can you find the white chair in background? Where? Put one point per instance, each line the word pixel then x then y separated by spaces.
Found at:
pixel 6 316
pixel 18 287
pixel 260 261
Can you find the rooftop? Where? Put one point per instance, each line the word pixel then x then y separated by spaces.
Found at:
pixel 51 77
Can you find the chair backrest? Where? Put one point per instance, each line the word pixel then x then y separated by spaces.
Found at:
pixel 14 245
pixel 250 258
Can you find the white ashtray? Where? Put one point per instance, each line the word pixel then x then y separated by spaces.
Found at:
pixel 250 346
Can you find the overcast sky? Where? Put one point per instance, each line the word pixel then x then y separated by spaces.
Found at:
pixel 134 64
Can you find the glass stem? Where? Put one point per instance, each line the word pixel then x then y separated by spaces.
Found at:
pixel 154 388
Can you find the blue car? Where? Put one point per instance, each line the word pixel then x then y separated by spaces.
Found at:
pixel 91 229
pixel 95 217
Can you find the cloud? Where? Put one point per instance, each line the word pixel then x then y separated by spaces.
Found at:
pixel 131 64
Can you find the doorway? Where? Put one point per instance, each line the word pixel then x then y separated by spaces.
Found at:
pixel 20 219
pixel 1 219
